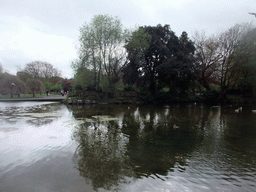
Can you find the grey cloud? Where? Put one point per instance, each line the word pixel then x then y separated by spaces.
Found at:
pixel 65 17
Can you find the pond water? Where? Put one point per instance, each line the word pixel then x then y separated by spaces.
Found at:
pixel 182 147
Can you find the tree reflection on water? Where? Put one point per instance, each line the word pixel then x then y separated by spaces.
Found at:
pixel 100 155
pixel 143 143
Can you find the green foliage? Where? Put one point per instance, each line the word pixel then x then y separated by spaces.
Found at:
pixel 159 96
pixel 128 88
pixel 211 96
pixel 159 59
pixel 145 95
pixel 101 53
pixel 78 87
pixel 56 87
pixel 161 65
pixel 138 43
pixel 85 78
pixel 52 86
pixel 48 85
pixel 24 76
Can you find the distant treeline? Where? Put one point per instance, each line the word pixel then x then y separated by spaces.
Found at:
pixel 36 78
pixel 159 65
pixel 152 61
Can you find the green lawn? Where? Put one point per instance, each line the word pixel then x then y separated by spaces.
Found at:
pixel 16 96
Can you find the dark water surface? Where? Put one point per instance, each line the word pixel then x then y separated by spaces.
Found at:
pixel 182 147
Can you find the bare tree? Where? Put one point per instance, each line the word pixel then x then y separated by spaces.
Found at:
pixel 11 85
pixel 35 86
pixel 208 56
pixel 39 69
pixel 231 56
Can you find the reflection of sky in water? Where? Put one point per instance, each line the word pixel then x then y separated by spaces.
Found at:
pixel 23 142
pixel 137 144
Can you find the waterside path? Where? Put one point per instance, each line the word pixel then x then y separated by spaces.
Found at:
pixel 42 98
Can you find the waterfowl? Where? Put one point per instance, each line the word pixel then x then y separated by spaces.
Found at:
pixel 175 126
pixel 239 110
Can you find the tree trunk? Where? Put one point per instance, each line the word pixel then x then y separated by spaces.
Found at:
pixel 223 92
pixel 152 84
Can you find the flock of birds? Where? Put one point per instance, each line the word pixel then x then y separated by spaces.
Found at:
pixel 239 110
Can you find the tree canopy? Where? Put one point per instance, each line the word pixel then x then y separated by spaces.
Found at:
pixel 40 69
pixel 44 72
pixel 154 59
pixel 159 59
pixel 11 84
pixel 35 86
pixel 101 51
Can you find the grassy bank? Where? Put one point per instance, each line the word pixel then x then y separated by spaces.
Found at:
pixel 24 96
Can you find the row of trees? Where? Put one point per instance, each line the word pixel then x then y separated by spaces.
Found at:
pixel 36 77
pixel 153 58
pixel 228 58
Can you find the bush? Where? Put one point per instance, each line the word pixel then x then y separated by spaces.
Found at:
pixel 128 88
pixel 146 96
pixel 211 96
pixel 78 87
pixel 56 87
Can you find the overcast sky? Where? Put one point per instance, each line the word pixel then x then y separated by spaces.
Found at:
pixel 47 30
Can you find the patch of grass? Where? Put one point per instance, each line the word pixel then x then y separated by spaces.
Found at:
pixel 22 96
pixel 16 96
pixel 53 95
pixel 166 89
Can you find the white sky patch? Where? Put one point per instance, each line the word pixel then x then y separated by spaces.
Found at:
pixel 1 62
pixel 150 7
pixel 24 37
pixel 153 5
pixel 47 30
pixel 39 45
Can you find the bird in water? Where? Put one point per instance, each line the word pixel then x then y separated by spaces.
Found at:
pixel 175 126
pixel 239 110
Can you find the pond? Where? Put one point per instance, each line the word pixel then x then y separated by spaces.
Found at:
pixel 49 146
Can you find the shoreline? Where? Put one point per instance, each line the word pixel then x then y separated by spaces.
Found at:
pixel 65 100
pixel 43 98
